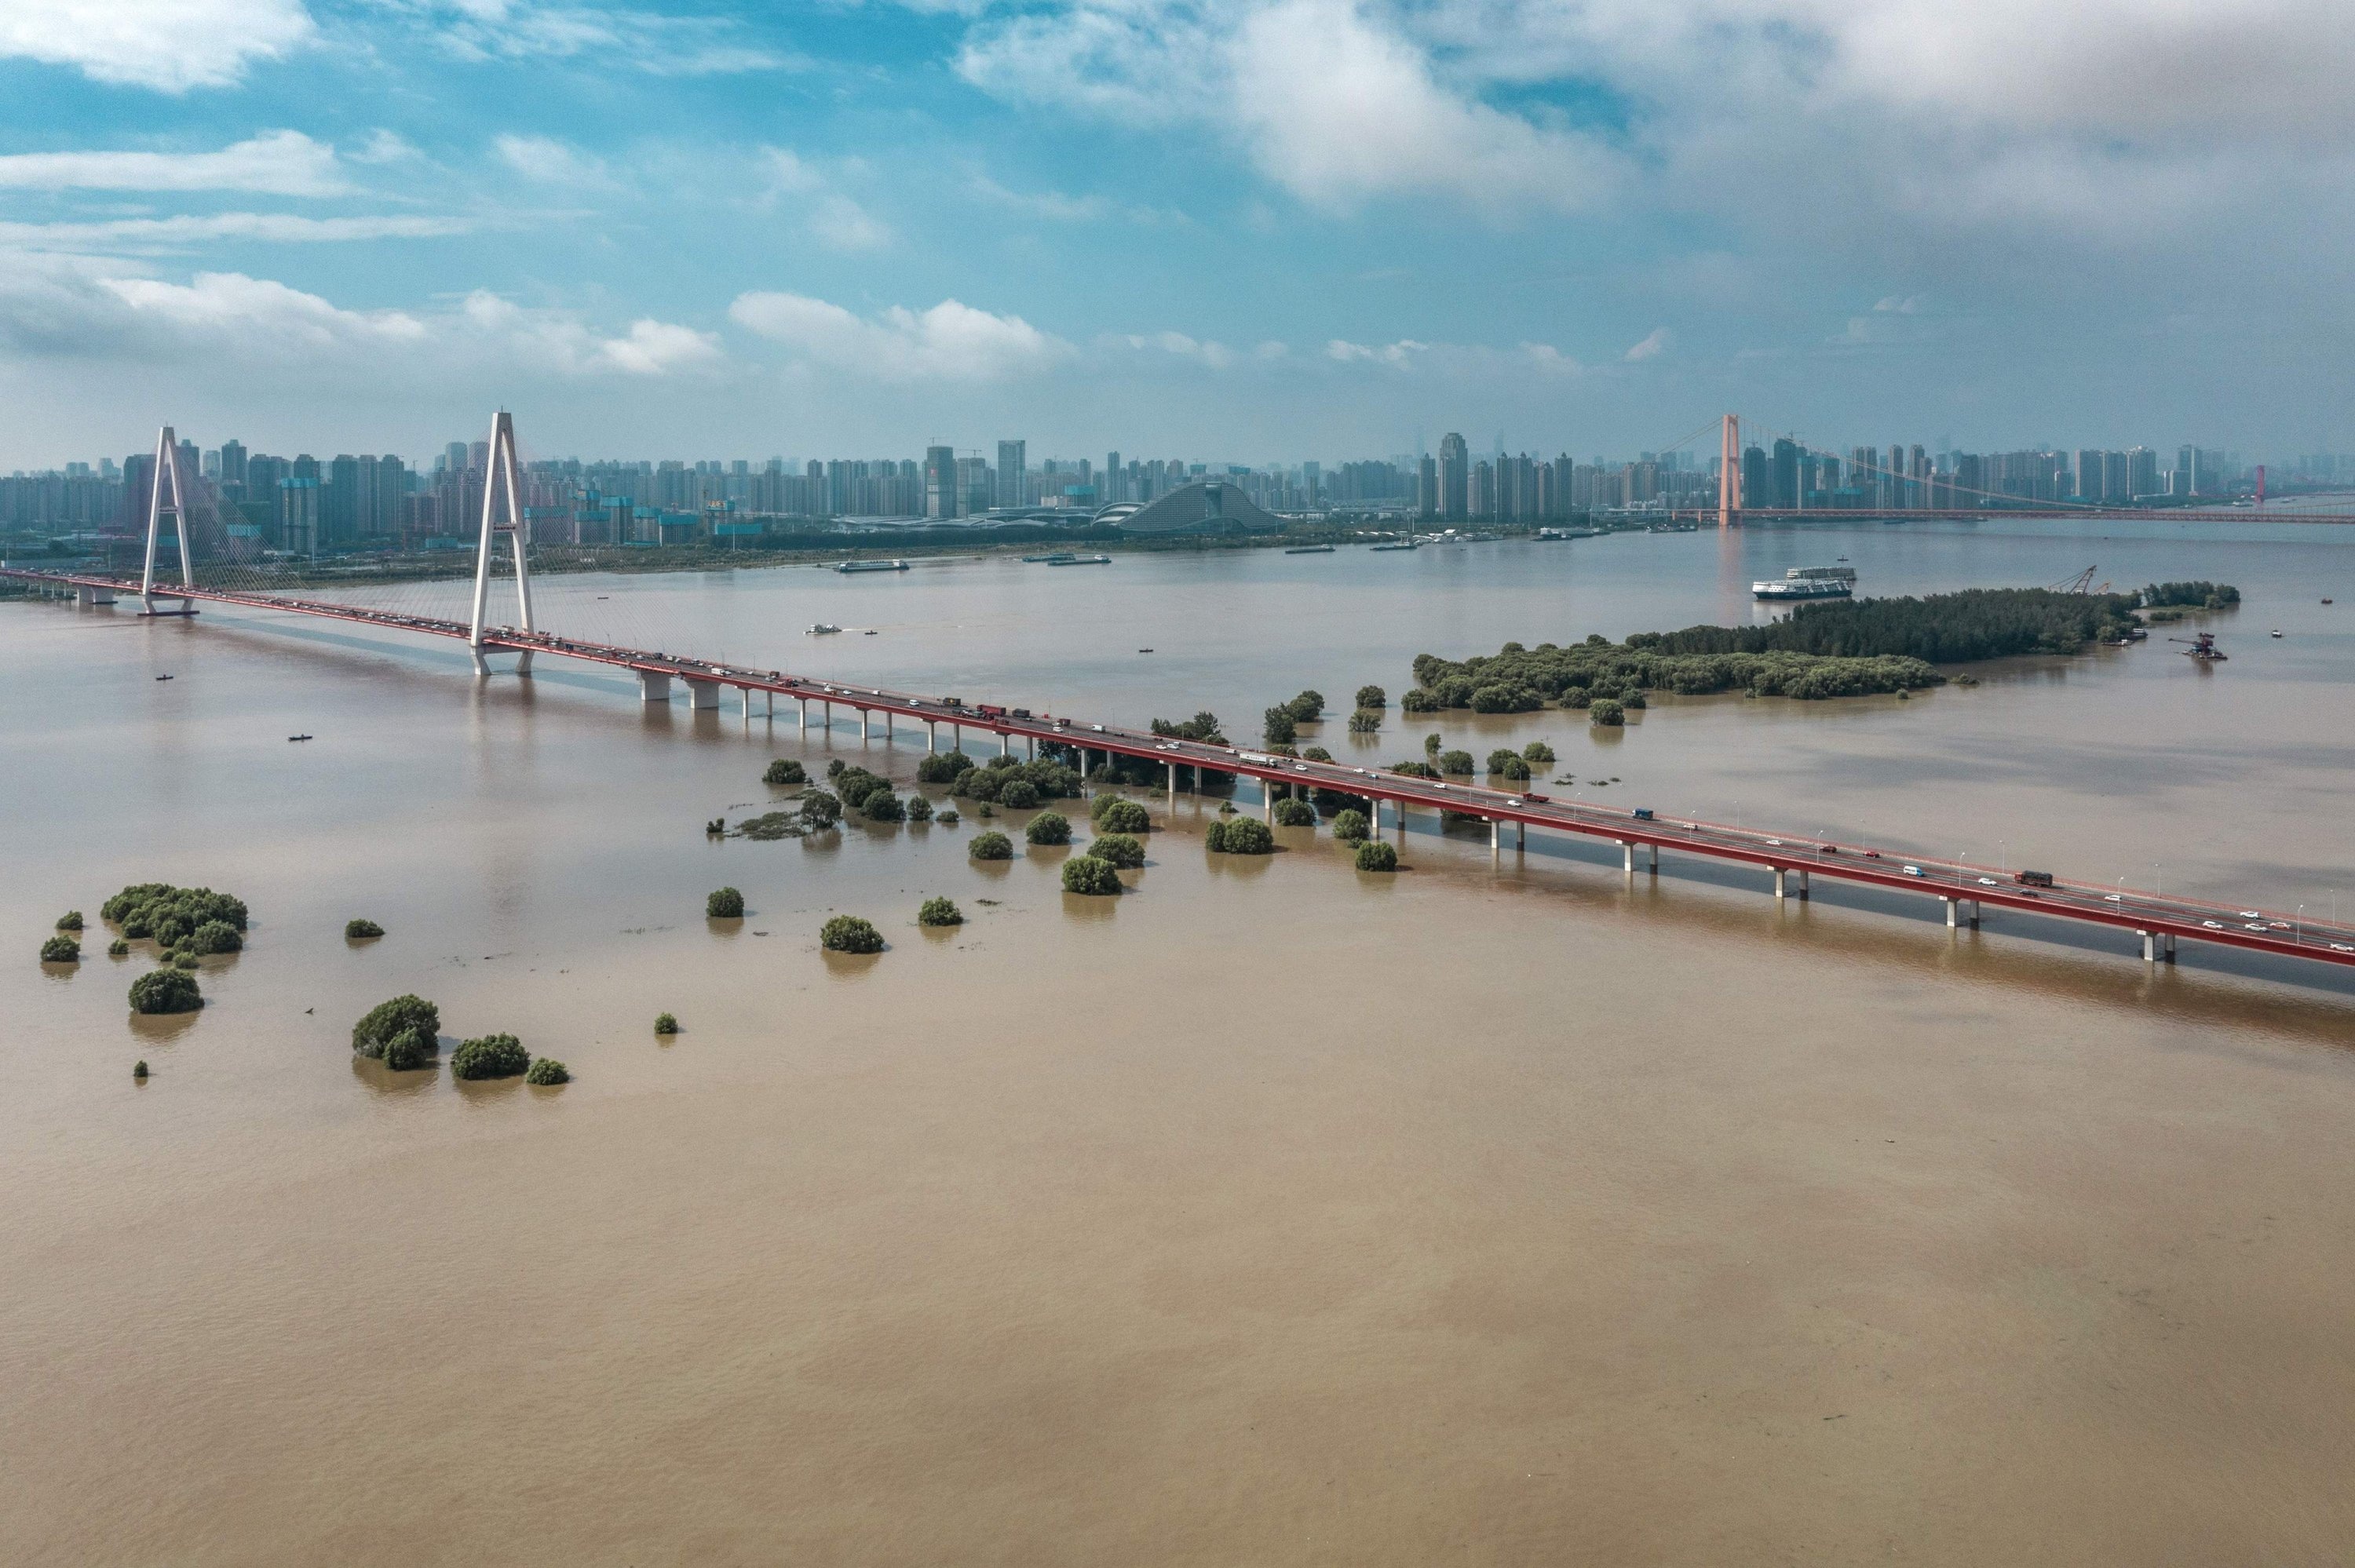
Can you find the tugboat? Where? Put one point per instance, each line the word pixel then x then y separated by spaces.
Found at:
pixel 2202 646
pixel 820 629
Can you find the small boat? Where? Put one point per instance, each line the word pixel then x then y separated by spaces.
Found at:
pixel 1080 561
pixel 2276 631
pixel 1145 651
pixel 820 629
pixel 163 677
pixel 869 632
pixel 298 737
pixel 2326 602
pixel 893 565
pixel 1308 550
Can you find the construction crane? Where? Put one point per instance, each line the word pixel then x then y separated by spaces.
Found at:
pixel 2082 583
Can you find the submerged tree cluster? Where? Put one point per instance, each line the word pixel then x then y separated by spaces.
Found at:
pixel 1849 648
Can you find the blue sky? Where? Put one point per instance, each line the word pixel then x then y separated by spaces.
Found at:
pixel 1237 230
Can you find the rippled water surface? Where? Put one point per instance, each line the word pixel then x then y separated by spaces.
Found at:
pixel 1272 1214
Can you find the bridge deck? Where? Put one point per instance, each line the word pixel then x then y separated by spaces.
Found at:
pixel 2128 909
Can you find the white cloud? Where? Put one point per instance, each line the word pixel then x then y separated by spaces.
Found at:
pixel 275 228
pixel 788 173
pixel 952 341
pixel 1342 110
pixel 561 343
pixel 87 308
pixel 276 162
pixel 1653 342
pixel 1212 354
pixel 1400 353
pixel 550 161
pixel 1055 207
pixel 170 46
pixel 1330 99
pixel 841 224
pixel 385 147
pixel 647 41
pixel 277 319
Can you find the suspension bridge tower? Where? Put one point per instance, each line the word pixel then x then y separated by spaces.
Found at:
pixel 167 479
pixel 505 473
pixel 1728 473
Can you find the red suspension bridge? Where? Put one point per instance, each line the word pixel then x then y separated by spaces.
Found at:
pixel 1791 861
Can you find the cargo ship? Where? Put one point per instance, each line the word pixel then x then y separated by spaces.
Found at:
pixel 872 567
pixel 1079 560
pixel 1807 582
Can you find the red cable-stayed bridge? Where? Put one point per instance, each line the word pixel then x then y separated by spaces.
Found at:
pixel 1964 888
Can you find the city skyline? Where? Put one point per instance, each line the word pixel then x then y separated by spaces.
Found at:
pixel 1297 224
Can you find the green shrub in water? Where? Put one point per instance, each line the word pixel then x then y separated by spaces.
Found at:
pixel 1086 873
pixel 489 1056
pixel 386 1019
pixel 849 933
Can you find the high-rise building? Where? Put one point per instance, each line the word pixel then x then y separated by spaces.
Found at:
pixel 1012 458
pixel 1757 477
pixel 1426 487
pixel 339 499
pixel 1455 477
pixel 298 512
pixel 233 469
pixel 940 481
pixel 1787 474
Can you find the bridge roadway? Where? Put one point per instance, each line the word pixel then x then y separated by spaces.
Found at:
pixel 1963 886
pixel 2280 513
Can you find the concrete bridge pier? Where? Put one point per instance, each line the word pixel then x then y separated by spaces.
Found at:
pixel 747 692
pixel 1953 913
pixel 1520 837
pixel 654 686
pixel 829 719
pixel 701 694
pixel 932 736
pixel 1803 892
pixel 1783 891
pixel 1495 841
pixel 86 595
pixel 2168 952
pixel 2149 946
pixel 1173 786
pixel 1005 744
pixel 805 707
pixel 1032 741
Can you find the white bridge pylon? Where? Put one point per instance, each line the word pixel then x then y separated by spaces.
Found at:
pixel 168 474
pixel 505 469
